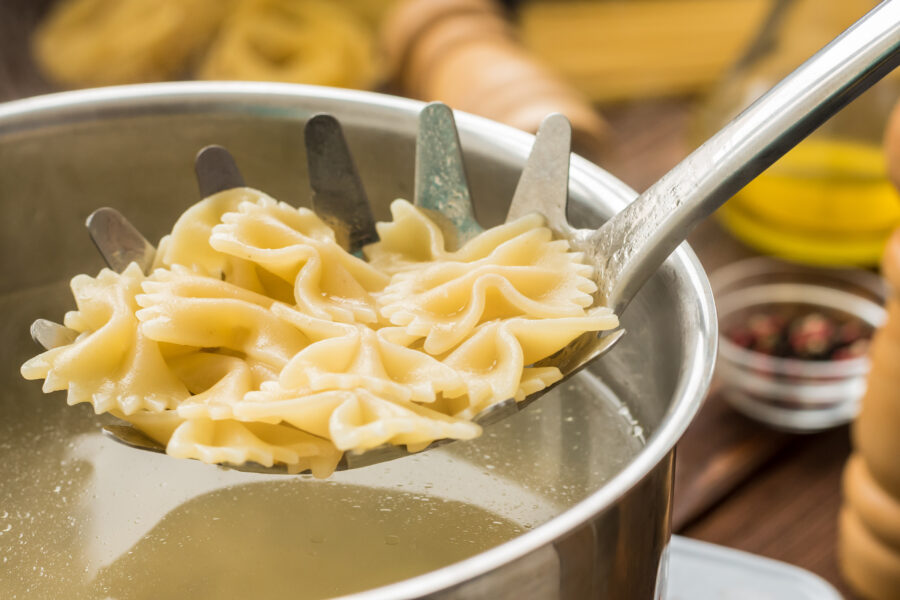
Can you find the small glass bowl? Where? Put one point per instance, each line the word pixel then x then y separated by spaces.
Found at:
pixel 794 394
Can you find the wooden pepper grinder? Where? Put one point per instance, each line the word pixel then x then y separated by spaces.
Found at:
pixel 464 53
pixel 869 544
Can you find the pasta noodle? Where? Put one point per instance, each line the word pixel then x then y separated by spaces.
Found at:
pixel 295 245
pixel 111 364
pixel 309 41
pixel 514 269
pixel 256 337
pixel 85 43
pixel 106 42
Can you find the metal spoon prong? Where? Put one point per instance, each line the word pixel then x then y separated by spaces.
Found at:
pixel 544 184
pixel 216 171
pixel 440 183
pixel 118 241
pixel 338 195
pixel 120 244
pixel 50 334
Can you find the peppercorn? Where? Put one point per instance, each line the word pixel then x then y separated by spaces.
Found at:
pixel 795 331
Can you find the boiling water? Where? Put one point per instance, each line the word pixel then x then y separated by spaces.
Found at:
pixel 83 517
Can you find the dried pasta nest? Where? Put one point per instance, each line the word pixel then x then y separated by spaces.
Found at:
pixel 105 42
pixel 86 43
pixel 313 41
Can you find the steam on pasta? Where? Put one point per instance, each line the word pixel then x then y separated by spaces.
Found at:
pixel 256 337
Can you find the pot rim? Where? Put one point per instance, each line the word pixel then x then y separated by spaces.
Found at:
pixel 246 97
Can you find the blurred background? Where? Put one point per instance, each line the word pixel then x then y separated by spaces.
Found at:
pixel 643 82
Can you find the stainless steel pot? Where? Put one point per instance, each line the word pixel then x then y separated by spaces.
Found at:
pixel 580 503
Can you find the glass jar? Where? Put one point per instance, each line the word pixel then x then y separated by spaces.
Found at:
pixel 829 200
pixel 793 340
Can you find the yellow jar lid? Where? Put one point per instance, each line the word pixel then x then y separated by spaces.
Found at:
pixel 825 186
pixel 828 201
pixel 825 249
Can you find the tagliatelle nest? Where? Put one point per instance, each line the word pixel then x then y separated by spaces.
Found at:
pixel 85 43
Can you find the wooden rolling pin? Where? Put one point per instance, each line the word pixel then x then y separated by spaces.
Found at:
pixel 869 544
pixel 464 53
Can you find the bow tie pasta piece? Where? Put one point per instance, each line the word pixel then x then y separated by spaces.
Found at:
pixel 111 364
pixel 234 442
pixel 237 443
pixel 361 358
pixel 189 246
pixel 296 246
pixel 368 421
pixel 355 420
pixel 202 312
pixel 408 239
pixel 494 360
pixel 412 238
pixel 265 231
pixel 303 409
pixel 510 271
pixel 317 42
pixel 217 382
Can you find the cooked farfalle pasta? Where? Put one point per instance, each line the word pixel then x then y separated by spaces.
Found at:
pixel 296 246
pixel 257 338
pixel 516 269
pixel 494 359
pixel 112 364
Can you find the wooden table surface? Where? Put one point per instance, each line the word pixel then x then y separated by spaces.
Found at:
pixel 737 483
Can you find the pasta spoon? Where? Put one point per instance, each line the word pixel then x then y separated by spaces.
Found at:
pixel 338 196
pixel 627 249
pixel 632 245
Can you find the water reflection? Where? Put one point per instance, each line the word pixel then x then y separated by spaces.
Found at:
pixel 82 517
pixel 297 539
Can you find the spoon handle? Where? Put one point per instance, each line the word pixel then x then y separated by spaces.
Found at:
pixel 630 247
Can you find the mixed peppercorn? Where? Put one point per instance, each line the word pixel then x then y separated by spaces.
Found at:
pixel 792 332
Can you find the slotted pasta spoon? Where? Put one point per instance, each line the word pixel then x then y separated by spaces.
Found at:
pixel 625 251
